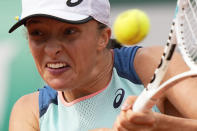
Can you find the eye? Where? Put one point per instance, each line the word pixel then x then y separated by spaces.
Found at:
pixel 36 33
pixel 70 31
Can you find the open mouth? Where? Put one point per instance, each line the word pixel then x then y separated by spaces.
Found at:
pixel 57 65
pixel 57 68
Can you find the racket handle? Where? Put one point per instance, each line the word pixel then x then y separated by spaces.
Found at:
pixel 144 101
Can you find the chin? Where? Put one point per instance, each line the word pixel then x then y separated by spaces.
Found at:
pixel 59 85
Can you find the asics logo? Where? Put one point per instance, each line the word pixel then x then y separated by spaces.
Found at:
pixel 119 97
pixel 72 3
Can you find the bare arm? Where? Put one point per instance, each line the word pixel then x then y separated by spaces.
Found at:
pixel 182 95
pixel 171 123
pixel 147 60
pixel 25 114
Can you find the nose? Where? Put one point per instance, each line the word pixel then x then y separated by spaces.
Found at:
pixel 53 48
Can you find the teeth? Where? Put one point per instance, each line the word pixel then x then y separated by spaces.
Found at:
pixel 57 65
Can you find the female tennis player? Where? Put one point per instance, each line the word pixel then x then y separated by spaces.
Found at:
pixel 89 86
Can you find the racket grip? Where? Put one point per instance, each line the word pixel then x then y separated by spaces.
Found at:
pixel 144 101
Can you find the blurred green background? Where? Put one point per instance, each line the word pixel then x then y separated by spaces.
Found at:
pixel 18 75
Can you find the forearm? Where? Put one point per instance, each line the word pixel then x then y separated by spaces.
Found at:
pixel 171 123
pixel 181 101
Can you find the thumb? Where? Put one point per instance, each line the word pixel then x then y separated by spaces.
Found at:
pixel 128 103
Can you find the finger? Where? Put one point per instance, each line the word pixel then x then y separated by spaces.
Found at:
pixel 128 103
pixel 141 118
pixel 123 124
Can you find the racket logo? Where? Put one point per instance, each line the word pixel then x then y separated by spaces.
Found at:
pixel 72 4
pixel 119 97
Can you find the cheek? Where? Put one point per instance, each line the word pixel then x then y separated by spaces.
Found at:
pixel 86 59
pixel 37 56
pixel 82 55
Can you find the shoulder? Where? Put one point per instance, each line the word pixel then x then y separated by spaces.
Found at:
pixel 123 62
pixel 25 113
pixel 146 61
pixel 148 54
pixel 47 95
pixel 138 63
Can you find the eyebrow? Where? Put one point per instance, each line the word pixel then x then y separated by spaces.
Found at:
pixel 31 21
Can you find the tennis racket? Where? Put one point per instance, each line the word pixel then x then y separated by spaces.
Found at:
pixel 183 33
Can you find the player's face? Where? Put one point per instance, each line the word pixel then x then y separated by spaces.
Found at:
pixel 64 53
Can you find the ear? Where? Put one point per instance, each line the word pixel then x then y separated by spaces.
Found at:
pixel 105 36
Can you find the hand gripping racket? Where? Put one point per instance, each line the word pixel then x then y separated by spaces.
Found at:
pixel 183 33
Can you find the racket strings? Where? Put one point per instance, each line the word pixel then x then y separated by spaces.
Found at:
pixel 188 31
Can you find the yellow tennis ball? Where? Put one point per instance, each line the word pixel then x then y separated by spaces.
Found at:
pixel 131 26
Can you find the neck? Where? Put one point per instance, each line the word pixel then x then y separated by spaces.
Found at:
pixel 99 78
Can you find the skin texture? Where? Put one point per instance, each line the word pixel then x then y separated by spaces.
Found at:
pixel 82 48
pixel 70 44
